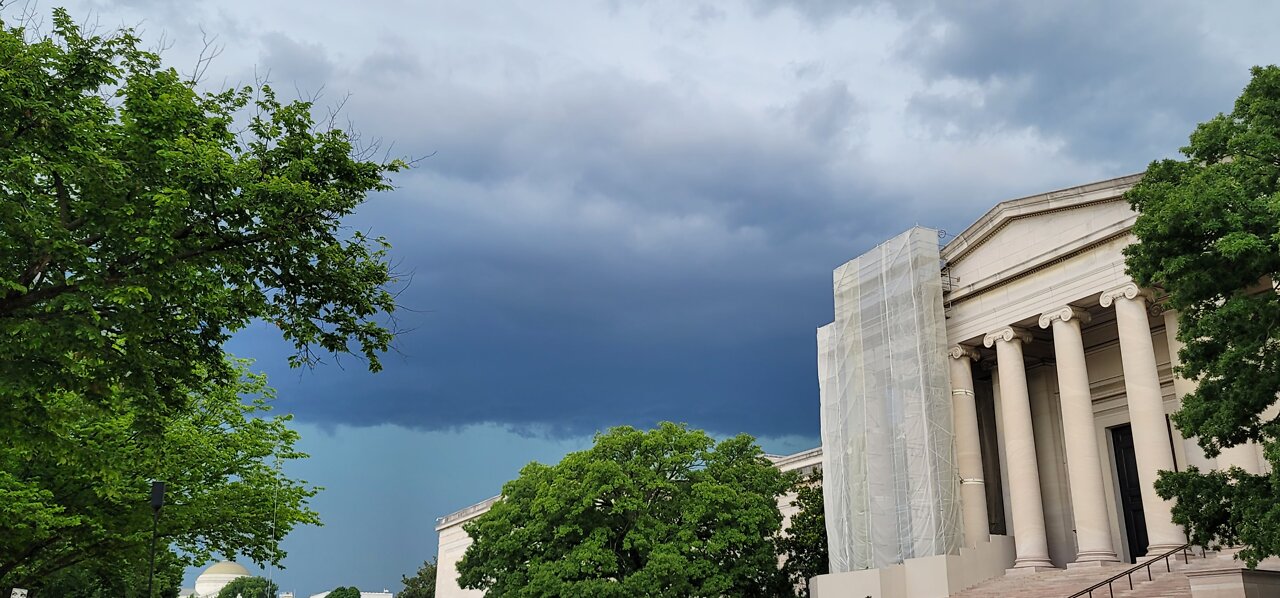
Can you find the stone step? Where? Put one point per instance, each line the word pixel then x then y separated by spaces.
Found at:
pixel 1165 582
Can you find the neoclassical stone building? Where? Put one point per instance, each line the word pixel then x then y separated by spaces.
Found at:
pixel 1032 418
pixel 1061 384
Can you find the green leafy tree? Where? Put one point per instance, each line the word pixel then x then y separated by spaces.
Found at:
pixel 666 512
pixel 804 545
pixel 1209 235
pixel 123 577
pixel 226 495
pixel 142 223
pixel 249 587
pixel 422 584
pixel 344 592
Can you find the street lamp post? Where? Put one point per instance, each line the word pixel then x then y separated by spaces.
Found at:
pixel 157 501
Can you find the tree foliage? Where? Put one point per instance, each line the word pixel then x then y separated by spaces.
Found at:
pixel 804 545
pixel 422 584
pixel 124 577
pixel 225 494
pixel 249 587
pixel 142 222
pixel 1209 235
pixel 344 592
pixel 666 512
pixel 141 225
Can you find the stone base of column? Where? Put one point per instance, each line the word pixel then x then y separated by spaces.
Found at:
pixel 1094 559
pixel 1029 569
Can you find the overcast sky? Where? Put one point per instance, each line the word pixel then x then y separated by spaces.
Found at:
pixel 631 209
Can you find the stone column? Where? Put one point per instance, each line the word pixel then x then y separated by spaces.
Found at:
pixel 1088 501
pixel 973 492
pixel 1183 387
pixel 1146 411
pixel 1030 540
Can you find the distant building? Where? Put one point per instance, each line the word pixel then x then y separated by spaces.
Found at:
pixel 383 594
pixel 216 577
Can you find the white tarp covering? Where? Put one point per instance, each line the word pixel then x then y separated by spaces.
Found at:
pixel 889 478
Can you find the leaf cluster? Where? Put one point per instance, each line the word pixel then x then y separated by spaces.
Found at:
pixel 142 223
pixel 249 587
pixel 83 498
pixel 1209 234
pixel 344 592
pixel 124 577
pixel 665 512
pixel 422 584
pixel 804 545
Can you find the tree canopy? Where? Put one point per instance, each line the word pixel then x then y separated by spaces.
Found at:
pixel 249 587
pixel 344 592
pixel 125 576
pixel 1209 235
pixel 804 545
pixel 142 223
pixel 89 503
pixel 422 584
pixel 665 512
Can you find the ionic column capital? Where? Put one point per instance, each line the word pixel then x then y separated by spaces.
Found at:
pixel 1007 334
pixel 1065 313
pixel 1128 290
pixel 962 352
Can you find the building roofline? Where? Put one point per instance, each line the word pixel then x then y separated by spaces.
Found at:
pixel 465 513
pixel 781 460
pixel 1006 211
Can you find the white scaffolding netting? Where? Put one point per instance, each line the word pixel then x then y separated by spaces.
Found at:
pixel 889 475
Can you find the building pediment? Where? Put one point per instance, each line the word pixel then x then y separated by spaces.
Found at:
pixel 1020 236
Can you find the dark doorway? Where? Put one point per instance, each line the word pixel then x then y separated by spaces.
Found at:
pixel 985 402
pixel 1135 525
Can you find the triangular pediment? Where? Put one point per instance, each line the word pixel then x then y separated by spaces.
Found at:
pixel 1028 233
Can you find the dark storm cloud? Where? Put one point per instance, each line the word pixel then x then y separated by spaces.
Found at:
pixel 672 262
pixel 630 212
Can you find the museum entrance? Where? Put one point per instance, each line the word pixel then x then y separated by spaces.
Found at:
pixel 1135 524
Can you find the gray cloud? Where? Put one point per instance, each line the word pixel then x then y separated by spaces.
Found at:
pixel 1114 84
pixel 828 112
pixel 631 211
pixel 303 65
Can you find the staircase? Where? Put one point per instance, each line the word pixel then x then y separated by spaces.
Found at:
pixel 1060 583
pixel 1045 584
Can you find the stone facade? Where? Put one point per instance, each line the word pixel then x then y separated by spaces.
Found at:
pixel 1062 383
pixel 1061 374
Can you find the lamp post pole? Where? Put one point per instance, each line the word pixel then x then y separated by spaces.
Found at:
pixel 157 501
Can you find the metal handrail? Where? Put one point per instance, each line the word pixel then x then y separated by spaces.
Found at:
pixel 1186 558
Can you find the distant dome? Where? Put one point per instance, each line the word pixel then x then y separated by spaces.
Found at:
pixel 218 576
